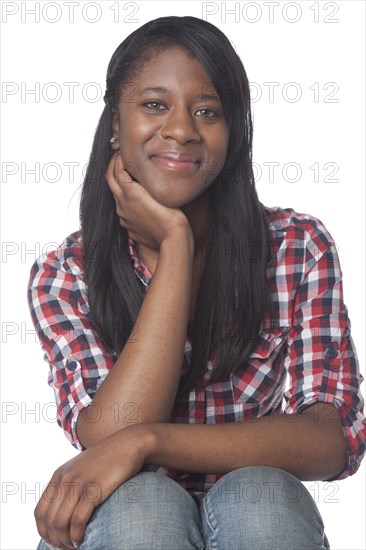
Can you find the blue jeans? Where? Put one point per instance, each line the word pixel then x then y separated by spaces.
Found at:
pixel 251 508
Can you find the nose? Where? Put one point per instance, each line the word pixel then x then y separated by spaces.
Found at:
pixel 179 124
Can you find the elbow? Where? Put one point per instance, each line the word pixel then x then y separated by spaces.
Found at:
pixel 91 428
pixel 85 433
pixel 337 458
pixel 94 424
pixel 333 448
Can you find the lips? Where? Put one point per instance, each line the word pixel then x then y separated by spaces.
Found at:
pixel 175 156
pixel 178 162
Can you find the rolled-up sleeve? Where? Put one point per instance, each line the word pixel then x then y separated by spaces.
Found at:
pixel 322 360
pixel 78 361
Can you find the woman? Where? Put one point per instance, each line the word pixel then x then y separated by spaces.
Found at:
pixel 177 261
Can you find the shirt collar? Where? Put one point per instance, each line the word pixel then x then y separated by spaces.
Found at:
pixel 140 268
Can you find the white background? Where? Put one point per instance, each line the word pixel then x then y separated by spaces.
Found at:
pixel 38 215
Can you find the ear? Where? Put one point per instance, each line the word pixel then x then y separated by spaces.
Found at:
pixel 115 129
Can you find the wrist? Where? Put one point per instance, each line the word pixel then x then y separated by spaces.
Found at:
pixel 180 240
pixel 147 440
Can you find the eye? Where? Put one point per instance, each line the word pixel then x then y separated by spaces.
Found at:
pixel 211 111
pixel 152 103
pixel 154 106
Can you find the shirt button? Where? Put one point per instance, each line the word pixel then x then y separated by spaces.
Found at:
pixel 331 352
pixel 353 464
pixel 71 365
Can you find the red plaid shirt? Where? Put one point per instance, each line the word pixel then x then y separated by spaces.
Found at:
pixel 306 354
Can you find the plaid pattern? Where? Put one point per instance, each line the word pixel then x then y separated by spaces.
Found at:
pixel 305 355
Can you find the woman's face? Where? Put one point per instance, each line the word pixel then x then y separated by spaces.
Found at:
pixel 174 118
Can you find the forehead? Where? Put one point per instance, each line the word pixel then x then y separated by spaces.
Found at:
pixel 172 71
pixel 174 63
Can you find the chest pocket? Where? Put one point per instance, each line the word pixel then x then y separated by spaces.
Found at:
pixel 258 384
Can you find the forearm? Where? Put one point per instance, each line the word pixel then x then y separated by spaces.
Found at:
pixel 302 444
pixel 145 377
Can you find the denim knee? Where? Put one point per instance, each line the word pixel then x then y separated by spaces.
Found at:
pixel 261 508
pixel 149 511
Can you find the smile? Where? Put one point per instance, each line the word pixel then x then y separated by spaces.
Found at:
pixel 178 166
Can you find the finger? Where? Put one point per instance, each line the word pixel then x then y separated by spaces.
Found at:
pixel 81 515
pixel 60 547
pixel 111 179
pixel 112 162
pixel 119 159
pixel 60 528
pixel 118 179
pixel 43 512
pixel 50 514
pixel 121 175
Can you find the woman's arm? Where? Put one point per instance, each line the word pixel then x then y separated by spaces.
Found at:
pixel 309 445
pixel 145 377
pixel 146 373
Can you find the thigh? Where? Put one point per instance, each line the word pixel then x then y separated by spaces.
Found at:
pixel 263 508
pixel 150 511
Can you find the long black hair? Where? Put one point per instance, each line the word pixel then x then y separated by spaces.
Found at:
pixel 233 294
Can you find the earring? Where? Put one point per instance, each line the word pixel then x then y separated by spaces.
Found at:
pixel 113 140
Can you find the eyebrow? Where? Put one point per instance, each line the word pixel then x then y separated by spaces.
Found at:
pixel 163 90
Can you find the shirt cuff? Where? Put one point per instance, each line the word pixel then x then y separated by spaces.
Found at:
pixel 76 410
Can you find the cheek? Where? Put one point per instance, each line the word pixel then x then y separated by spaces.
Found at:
pixel 128 154
pixel 217 161
pixel 136 130
pixel 223 148
pixel 132 141
pixel 219 146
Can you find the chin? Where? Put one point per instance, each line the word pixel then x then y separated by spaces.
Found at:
pixel 171 202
